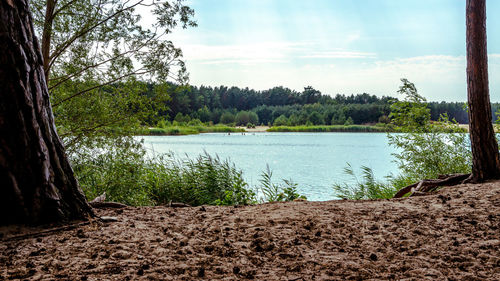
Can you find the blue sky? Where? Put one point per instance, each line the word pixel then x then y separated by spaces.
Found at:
pixel 336 46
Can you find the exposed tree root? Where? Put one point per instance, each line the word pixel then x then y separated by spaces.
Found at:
pixel 100 205
pixel 424 186
pixel 47 231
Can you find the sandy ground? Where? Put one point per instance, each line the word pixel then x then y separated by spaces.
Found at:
pixel 256 129
pixel 451 235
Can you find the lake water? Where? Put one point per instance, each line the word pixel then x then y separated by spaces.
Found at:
pixel 313 160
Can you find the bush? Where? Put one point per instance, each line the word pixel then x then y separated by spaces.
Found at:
pixel 227 118
pixel 280 121
pixel 425 150
pixel 349 122
pixel 242 118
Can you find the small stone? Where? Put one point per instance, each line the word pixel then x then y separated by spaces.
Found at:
pixel 109 219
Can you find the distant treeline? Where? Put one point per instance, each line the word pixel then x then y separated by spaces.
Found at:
pixel 283 106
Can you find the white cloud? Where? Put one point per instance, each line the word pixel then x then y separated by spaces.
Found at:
pixel 340 55
pixel 437 77
pixel 272 52
pixel 266 52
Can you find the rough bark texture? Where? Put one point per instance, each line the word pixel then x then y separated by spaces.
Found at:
pixel 485 159
pixel 37 184
pixel 47 36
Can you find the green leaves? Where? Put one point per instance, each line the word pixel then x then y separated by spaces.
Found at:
pixel 427 149
pixel 411 114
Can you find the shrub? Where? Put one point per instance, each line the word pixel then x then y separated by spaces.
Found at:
pixel 349 122
pixel 280 121
pixel 425 150
pixel 227 118
pixel 242 118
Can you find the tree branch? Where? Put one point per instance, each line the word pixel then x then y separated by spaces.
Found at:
pixel 100 85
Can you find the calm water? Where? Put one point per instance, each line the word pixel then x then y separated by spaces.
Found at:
pixel 313 160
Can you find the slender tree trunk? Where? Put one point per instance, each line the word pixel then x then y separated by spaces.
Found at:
pixel 485 158
pixel 47 36
pixel 37 183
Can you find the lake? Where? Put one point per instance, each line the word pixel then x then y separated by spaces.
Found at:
pixel 313 160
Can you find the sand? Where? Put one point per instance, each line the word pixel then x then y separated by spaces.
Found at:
pixel 258 129
pixel 451 235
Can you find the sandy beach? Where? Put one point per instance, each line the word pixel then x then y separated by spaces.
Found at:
pixel 256 129
pixel 450 235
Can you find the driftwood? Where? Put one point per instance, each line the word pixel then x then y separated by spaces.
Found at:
pixel 99 203
pixel 177 205
pixel 424 186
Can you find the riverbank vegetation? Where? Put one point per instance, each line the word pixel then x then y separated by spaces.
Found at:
pixel 101 100
pixel 184 129
pixel 426 150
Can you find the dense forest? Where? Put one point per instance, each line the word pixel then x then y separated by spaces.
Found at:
pixel 283 106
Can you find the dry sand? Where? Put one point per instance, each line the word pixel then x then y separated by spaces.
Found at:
pixel 256 129
pixel 451 235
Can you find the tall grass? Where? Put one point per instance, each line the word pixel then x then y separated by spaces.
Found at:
pixel 277 192
pixel 204 180
pixel 128 176
pixel 365 188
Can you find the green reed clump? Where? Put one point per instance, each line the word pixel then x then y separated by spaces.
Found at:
pixel 115 169
pixel 365 188
pixel 273 192
pixel 204 180
pixel 128 176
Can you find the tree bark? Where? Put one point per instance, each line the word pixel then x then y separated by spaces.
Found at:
pixel 485 157
pixel 37 184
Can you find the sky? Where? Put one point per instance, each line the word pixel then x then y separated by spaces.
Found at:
pixel 336 46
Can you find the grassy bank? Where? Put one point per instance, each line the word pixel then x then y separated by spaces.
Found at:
pixel 330 128
pixel 189 130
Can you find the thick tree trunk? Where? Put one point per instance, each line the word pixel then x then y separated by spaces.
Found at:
pixel 485 159
pixel 37 184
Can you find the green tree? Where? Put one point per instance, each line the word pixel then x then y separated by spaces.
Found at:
pixel 349 121
pixel 242 118
pixel 94 54
pixel 316 118
pixel 426 149
pixel 253 117
pixel 281 121
pixel 411 114
pixel 227 118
